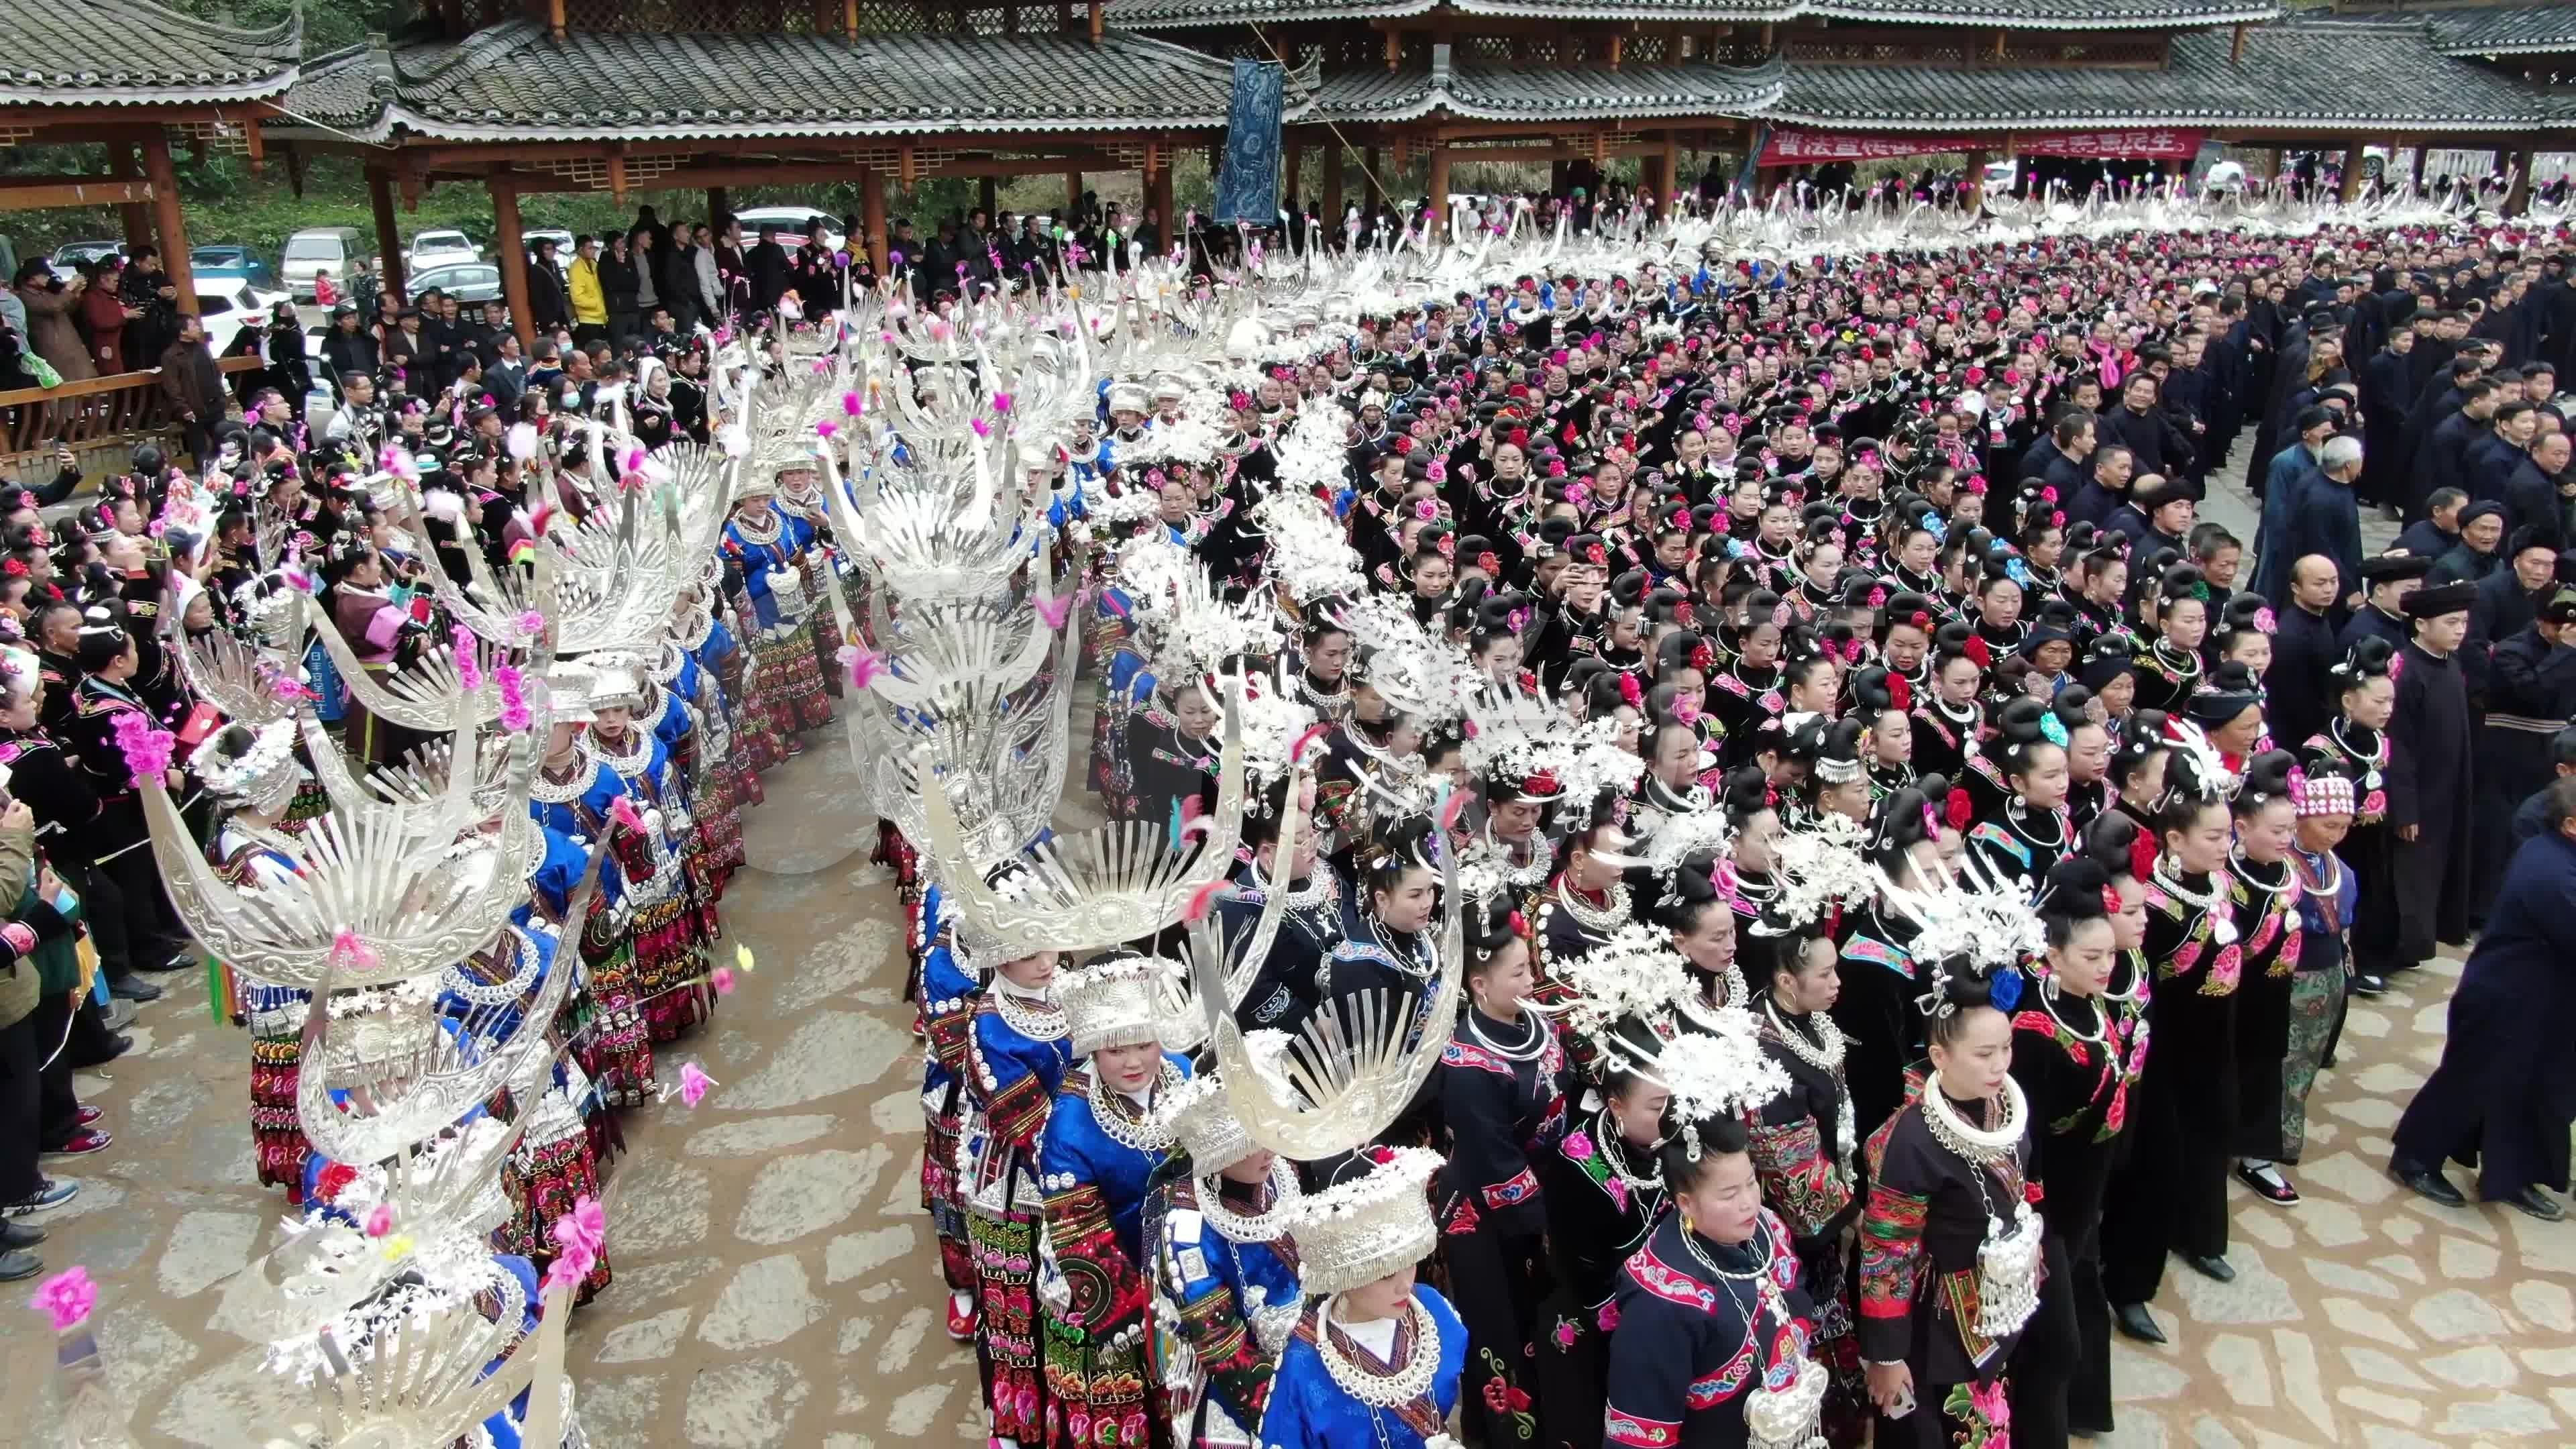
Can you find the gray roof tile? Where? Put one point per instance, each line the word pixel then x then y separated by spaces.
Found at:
pixel 1505 93
pixel 2531 30
pixel 2023 14
pixel 2339 73
pixel 132 52
pixel 512 81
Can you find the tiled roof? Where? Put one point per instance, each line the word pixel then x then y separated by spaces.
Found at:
pixel 132 53
pixel 2020 14
pixel 2532 30
pixel 1502 93
pixel 1174 14
pixel 2049 14
pixel 513 82
pixel 2336 73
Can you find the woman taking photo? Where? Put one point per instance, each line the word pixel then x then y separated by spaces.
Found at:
pixel 1502 1093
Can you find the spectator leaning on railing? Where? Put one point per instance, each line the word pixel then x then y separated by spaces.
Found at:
pixel 50 302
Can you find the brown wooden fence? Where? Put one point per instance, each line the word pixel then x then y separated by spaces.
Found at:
pixel 103 418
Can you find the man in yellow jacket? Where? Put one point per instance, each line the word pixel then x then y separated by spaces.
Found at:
pixel 589 302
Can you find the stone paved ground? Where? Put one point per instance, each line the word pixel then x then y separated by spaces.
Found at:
pixel 777 1286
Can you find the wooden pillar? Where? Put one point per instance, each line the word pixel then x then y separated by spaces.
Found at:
pixel 1439 187
pixel 2518 198
pixel 2415 168
pixel 389 256
pixel 1977 177
pixel 513 247
pixel 165 211
pixel 872 216
pixel 719 206
pixel 135 216
pixel 1072 196
pixel 1669 206
pixel 1373 184
pixel 1332 207
pixel 2272 166
pixel 988 196
pixel 1293 178
pixel 2352 162
pixel 1158 193
pixel 1654 180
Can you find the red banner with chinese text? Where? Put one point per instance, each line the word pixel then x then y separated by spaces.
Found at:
pixel 2144 143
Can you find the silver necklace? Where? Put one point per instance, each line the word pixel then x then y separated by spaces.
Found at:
pixel 1598 920
pixel 1980 1146
pixel 543 786
pixel 1145 1131
pixel 1322 887
pixel 1825 1053
pixel 1036 1018
pixel 1261 1227
pixel 2102 1027
pixel 2242 869
pixel 2377 757
pixel 1528 1051
pixel 1542 862
pixel 1614 1156
pixel 1382 1390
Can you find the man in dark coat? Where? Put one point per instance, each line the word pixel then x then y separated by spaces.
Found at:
pixel 2300 693
pixel 2439 531
pixel 766 265
pixel 2531 494
pixel 2430 781
pixel 2386 580
pixel 2506 1089
pixel 2491 459
pixel 2139 424
pixel 2530 697
pixel 2384 397
pixel 2105 490
pixel 2443 459
pixel 193 386
pixel 2475 555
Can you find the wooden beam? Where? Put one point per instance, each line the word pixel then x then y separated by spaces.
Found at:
pixel 910 168
pixel 1072 196
pixel 39 193
pixel 1394 50
pixel 1618 46
pixel 850 19
pixel 380 197
pixel 617 177
pixel 719 206
pixel 555 20
pixel 513 245
pixel 173 227
pixel 1099 27
pixel 255 148
pixel 2236 47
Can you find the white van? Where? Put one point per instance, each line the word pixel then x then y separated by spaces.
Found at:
pixel 321 248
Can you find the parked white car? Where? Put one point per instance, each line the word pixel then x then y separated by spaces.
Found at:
pixel 440 249
pixel 791 222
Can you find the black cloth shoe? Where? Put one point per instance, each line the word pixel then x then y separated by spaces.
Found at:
pixel 2425 1182
pixel 17 1264
pixel 2135 1321
pixel 2215 1269
pixel 2538 1204
pixel 20 1235
pixel 2268 1184
pixel 133 988
pixel 2364 985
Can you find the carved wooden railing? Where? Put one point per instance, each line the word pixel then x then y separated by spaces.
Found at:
pixel 102 418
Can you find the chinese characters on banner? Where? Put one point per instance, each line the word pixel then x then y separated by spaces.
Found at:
pixel 2158 143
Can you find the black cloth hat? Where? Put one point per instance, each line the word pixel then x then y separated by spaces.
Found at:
pixel 2442 599
pixel 2390 567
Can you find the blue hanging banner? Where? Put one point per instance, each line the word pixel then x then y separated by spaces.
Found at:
pixel 1247 185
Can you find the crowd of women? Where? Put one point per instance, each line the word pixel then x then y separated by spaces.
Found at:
pixel 1889 911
